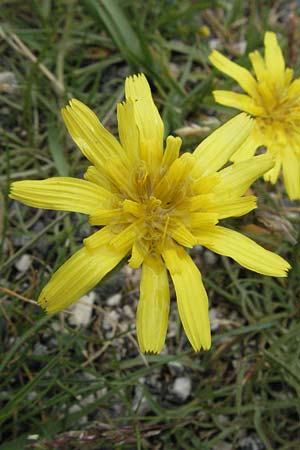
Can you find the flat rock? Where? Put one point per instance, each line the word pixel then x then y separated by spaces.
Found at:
pixel 182 388
pixel 81 312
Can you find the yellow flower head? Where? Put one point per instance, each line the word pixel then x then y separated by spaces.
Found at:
pixel 151 203
pixel 273 98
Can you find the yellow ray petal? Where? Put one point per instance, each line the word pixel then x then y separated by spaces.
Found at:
pixel 77 276
pixel 97 176
pixel 294 89
pixel 153 306
pixel 273 174
pixel 137 255
pixel 258 65
pixel 181 233
pixel 248 147
pixel 191 297
pixel 61 193
pixel 96 143
pixel 200 202
pixel 274 58
pixel 203 185
pixel 239 101
pixel 266 92
pixel 232 207
pixel 128 130
pixel 124 240
pixel 121 242
pixel 291 173
pixel 106 216
pixel 167 188
pixel 203 219
pixel 238 177
pixel 233 70
pixel 246 252
pixel 147 118
pixel 218 147
pixel 120 177
pixel 288 76
pixel 98 239
pixel 137 209
pixel 171 152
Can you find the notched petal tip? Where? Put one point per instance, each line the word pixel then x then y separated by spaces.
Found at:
pixel 151 351
pixel 43 303
pixel 136 77
pixel 71 103
pixel 12 190
pixel 134 85
pixel 286 267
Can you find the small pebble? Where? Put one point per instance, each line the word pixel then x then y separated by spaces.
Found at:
pixel 31 396
pixel 210 258
pixel 176 368
pixel 81 312
pixel 128 312
pixel 40 349
pixel 132 275
pixel 140 404
pixel 110 318
pixel 241 47
pixel 182 388
pixel 214 319
pixel 23 263
pixel 87 400
pixel 215 44
pixel 76 408
pixel 5 247
pixel 101 392
pixel 33 437
pixel 251 443
pixel 223 419
pixel 114 300
pixel 198 248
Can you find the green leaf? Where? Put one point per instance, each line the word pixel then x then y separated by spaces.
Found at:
pixel 56 150
pixel 111 14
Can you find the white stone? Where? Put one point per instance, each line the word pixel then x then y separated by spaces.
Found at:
pixel 31 396
pixel 76 408
pixel 101 392
pixel 114 300
pixel 81 312
pixel 210 258
pixel 175 367
pixel 87 400
pixel 23 263
pixel 33 437
pixel 110 319
pixel 40 349
pixel 214 319
pixel 215 44
pixel 128 312
pixel 182 387
pixel 241 47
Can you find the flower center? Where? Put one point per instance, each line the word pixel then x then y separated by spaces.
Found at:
pixel 161 205
pixel 282 114
pixel 155 221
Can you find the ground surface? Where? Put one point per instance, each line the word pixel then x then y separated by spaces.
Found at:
pixel 70 386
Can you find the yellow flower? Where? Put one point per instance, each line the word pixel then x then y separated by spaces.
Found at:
pixel 151 203
pixel 273 98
